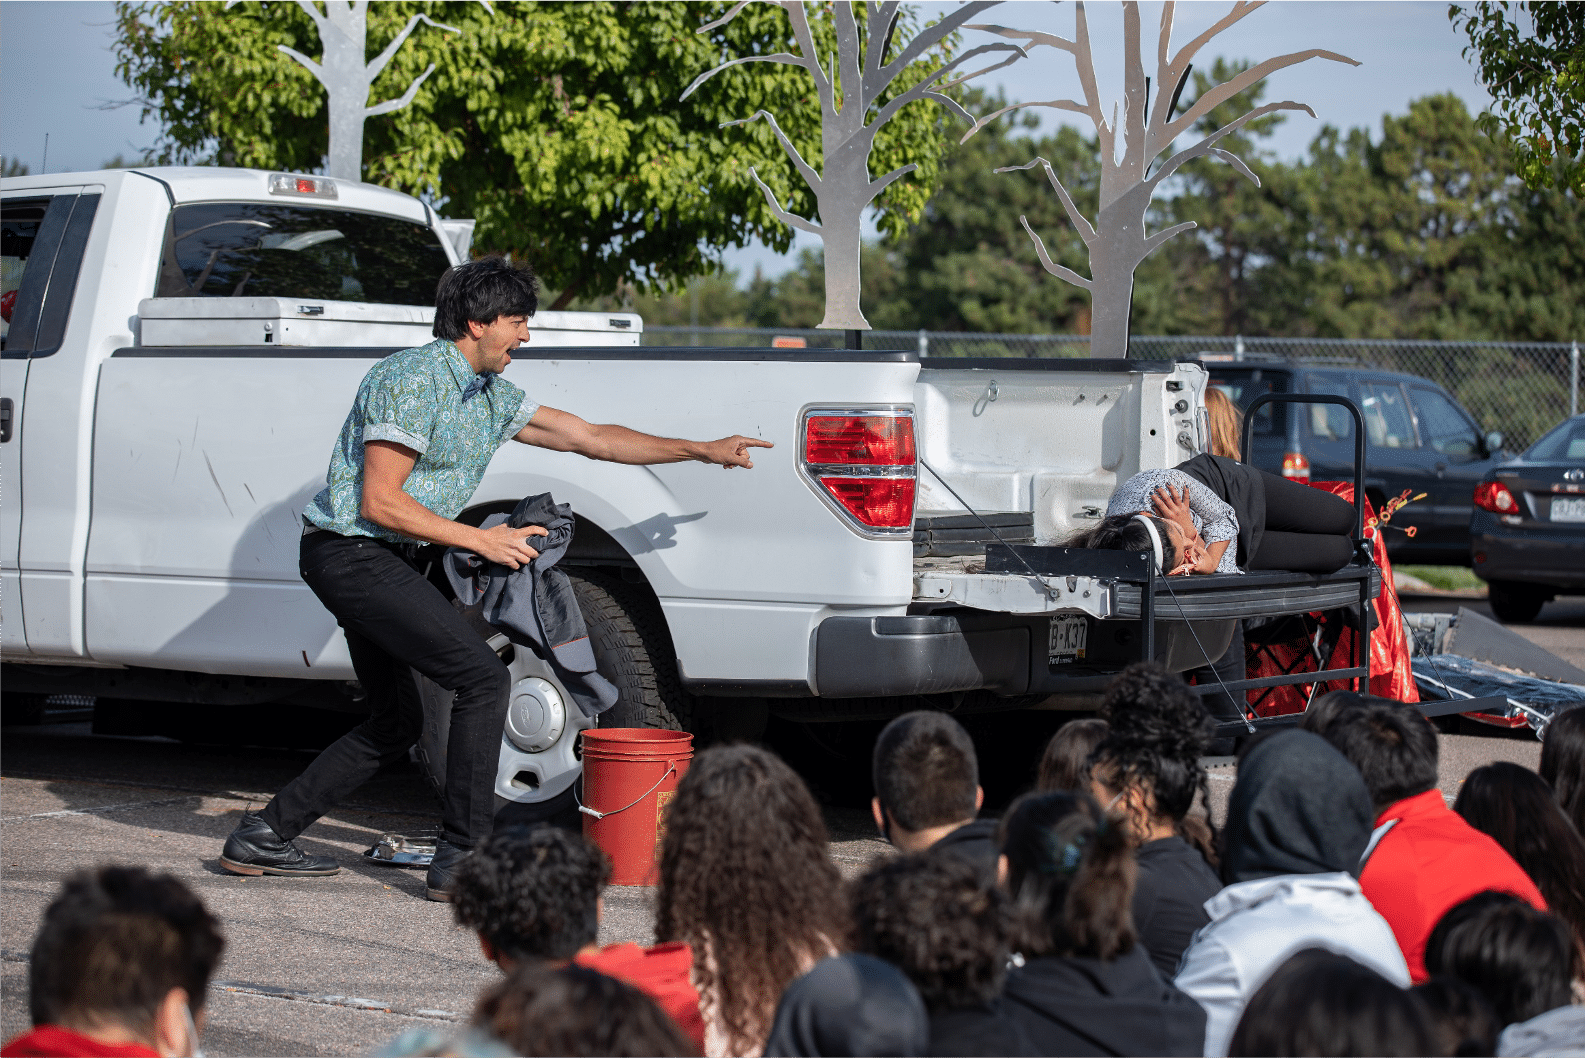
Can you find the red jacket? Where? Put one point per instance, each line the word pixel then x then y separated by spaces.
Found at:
pixel 1429 861
pixel 52 1041
pixel 664 973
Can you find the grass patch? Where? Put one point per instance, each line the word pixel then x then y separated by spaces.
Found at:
pixel 1446 578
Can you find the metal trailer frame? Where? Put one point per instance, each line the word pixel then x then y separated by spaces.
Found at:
pixel 1141 592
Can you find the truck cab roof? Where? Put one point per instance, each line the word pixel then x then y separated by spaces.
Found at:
pixel 198 183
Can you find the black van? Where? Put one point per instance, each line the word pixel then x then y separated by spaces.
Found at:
pixel 1418 440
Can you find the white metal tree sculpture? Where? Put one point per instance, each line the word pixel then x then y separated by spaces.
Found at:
pixel 347 76
pixel 1117 241
pixel 851 85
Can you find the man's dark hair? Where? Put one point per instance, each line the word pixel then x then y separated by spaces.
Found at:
pixel 1319 1002
pixel 532 892
pixel 573 1010
pixel 1520 958
pixel 933 915
pixel 1392 745
pixel 113 944
pixel 925 771
pixel 483 291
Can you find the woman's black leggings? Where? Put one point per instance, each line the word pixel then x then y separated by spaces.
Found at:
pixel 1308 530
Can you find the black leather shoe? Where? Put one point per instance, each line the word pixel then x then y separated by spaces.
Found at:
pixel 437 886
pixel 253 848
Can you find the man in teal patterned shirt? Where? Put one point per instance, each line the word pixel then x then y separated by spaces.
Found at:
pixel 414 447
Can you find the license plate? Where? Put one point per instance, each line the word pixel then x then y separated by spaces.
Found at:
pixel 1069 633
pixel 1568 510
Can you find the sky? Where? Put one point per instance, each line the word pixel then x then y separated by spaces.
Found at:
pixel 57 73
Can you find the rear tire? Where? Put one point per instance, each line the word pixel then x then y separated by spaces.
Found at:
pixel 1515 603
pixel 632 649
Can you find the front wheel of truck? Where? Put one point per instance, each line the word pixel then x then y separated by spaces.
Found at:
pixel 539 758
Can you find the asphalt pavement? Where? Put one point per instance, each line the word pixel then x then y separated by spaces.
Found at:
pixel 340 965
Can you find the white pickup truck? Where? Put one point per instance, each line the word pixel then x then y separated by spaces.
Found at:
pixel 182 345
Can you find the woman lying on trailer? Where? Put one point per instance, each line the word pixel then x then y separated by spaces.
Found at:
pixel 1212 514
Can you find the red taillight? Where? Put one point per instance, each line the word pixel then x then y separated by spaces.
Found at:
pixel 881 503
pixel 1295 467
pixel 1494 496
pixel 863 440
pixel 862 463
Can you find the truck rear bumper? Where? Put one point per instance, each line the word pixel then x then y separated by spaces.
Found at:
pixel 857 657
pixel 1006 654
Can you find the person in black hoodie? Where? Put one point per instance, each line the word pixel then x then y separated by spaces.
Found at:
pixel 1086 987
pixel 927 789
pixel 1148 768
pixel 849 1005
pixel 933 916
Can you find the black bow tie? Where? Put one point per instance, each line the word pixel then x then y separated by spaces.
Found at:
pixel 480 383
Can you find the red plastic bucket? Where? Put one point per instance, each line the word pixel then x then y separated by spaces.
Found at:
pixel 630 775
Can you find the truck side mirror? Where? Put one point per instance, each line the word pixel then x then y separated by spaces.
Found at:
pixel 1493 442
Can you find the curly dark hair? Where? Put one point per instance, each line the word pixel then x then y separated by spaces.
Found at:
pixel 532 892
pixel 1071 872
pixel 113 944
pixel 576 1011
pixel 746 880
pixel 933 916
pixel 1125 532
pixel 1158 732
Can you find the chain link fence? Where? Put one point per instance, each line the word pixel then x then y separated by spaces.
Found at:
pixel 1520 388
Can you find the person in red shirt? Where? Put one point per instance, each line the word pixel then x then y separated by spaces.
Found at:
pixel 532 894
pixel 120 968
pixel 1423 858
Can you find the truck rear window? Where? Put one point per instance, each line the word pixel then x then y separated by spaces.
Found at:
pixel 19 229
pixel 259 249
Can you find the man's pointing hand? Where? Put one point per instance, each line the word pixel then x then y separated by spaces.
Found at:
pixel 731 451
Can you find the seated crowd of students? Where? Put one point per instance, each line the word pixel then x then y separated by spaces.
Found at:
pixel 1343 909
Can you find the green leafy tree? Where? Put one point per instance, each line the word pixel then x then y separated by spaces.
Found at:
pixel 1537 83
pixel 556 126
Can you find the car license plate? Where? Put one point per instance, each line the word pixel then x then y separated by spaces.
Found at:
pixel 1069 633
pixel 1568 510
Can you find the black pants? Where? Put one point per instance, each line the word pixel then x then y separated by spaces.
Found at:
pixel 1224 705
pixel 1307 529
pixel 395 619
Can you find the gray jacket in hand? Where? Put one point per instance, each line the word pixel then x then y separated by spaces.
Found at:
pixel 535 603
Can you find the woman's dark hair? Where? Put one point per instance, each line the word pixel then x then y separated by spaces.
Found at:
pixel 1322 1003
pixel 1515 806
pixel 1071 874
pixel 745 879
pixel 1563 763
pixel 532 892
pixel 1460 1016
pixel 1125 532
pixel 1518 957
pixel 576 1011
pixel 933 915
pixel 483 291
pixel 114 943
pixel 1158 733
pixel 1066 763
